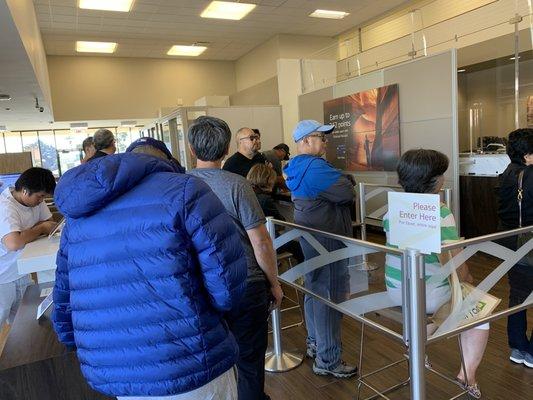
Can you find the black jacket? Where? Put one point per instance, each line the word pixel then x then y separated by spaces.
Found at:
pixel 508 203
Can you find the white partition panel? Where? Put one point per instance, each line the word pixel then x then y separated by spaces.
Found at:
pixel 265 118
pixel 428 110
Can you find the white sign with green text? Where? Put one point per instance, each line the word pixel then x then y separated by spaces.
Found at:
pixel 414 221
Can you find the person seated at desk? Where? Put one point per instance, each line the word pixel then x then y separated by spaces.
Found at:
pixel 247 154
pixel 422 171
pixel 148 265
pixel 23 218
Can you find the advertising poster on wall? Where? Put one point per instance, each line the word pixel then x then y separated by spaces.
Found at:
pixel 367 130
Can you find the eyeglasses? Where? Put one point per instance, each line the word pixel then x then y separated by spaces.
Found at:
pixel 321 136
pixel 251 138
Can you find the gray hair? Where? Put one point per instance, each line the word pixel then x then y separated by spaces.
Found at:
pixel 103 138
pixel 209 137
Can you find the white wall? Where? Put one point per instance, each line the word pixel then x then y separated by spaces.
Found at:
pixel 86 88
pixel 445 24
pixel 428 110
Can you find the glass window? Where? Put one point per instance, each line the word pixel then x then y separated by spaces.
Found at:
pixel 30 142
pixel 47 146
pixel 13 142
pixel 2 143
pixel 68 148
pixel 165 133
pixel 123 139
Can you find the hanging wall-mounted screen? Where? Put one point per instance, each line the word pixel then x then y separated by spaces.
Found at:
pixel 367 130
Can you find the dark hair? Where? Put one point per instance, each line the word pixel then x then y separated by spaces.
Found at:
pixel 256 131
pixel 87 143
pixel 418 170
pixel 520 144
pixel 103 138
pixel 209 137
pixel 36 180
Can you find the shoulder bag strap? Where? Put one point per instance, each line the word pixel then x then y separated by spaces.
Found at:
pixel 519 197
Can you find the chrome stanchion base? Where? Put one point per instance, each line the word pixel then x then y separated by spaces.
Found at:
pixel 286 361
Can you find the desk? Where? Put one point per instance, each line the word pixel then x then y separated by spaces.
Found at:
pixel 34 364
pixel 40 257
pixel 30 340
pixel 57 378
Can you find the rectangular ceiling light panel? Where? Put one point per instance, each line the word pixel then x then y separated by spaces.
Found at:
pixel 227 10
pixel 191 51
pixel 329 14
pixel 106 5
pixel 95 47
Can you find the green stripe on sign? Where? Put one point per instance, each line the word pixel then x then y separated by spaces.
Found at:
pixel 393 273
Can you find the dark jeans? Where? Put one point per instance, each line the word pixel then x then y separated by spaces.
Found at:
pixel 248 323
pixel 521 282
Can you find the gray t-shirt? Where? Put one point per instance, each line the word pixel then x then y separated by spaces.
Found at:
pixel 271 157
pixel 241 203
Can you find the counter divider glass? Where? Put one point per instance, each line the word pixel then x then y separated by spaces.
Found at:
pixel 394 303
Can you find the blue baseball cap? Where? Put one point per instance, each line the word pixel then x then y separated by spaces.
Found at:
pixel 148 141
pixel 307 126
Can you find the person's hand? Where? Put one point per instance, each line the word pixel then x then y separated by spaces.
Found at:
pixel 277 295
pixel 47 227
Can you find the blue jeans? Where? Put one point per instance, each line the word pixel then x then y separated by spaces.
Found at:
pixel 521 283
pixel 322 322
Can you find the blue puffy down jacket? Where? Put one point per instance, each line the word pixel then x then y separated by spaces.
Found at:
pixel 149 261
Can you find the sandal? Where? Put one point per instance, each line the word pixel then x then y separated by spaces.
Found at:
pixel 472 390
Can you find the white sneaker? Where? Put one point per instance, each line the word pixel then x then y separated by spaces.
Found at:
pixel 517 356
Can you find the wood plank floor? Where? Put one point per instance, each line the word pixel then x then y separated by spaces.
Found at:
pixel 499 379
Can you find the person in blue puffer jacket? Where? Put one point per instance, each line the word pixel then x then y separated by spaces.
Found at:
pixel 149 262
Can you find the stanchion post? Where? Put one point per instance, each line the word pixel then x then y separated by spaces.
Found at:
pixel 417 324
pixel 362 209
pixel 364 265
pixel 277 360
pixel 448 197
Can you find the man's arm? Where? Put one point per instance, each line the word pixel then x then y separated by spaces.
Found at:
pixel 266 258
pixel 341 192
pixel 14 241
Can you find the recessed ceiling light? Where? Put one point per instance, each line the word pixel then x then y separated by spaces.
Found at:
pixel 106 5
pixel 461 70
pixel 227 10
pixel 95 47
pixel 191 51
pixel 329 14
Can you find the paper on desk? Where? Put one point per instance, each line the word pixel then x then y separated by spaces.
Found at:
pixel 45 292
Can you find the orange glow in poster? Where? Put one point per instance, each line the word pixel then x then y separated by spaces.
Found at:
pixel 367 133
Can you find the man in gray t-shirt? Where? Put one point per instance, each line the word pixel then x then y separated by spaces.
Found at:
pixel 209 139
pixel 241 204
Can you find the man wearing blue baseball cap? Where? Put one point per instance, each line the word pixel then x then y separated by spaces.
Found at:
pixel 322 198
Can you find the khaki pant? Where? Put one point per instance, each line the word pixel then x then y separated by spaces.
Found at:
pixel 222 388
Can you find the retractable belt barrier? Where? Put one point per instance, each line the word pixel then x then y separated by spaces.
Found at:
pixel 354 292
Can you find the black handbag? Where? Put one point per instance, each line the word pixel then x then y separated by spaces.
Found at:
pixel 523 238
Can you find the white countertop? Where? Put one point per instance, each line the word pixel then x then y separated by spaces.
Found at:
pixel 39 255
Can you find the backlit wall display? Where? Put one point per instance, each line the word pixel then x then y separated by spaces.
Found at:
pixel 367 130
